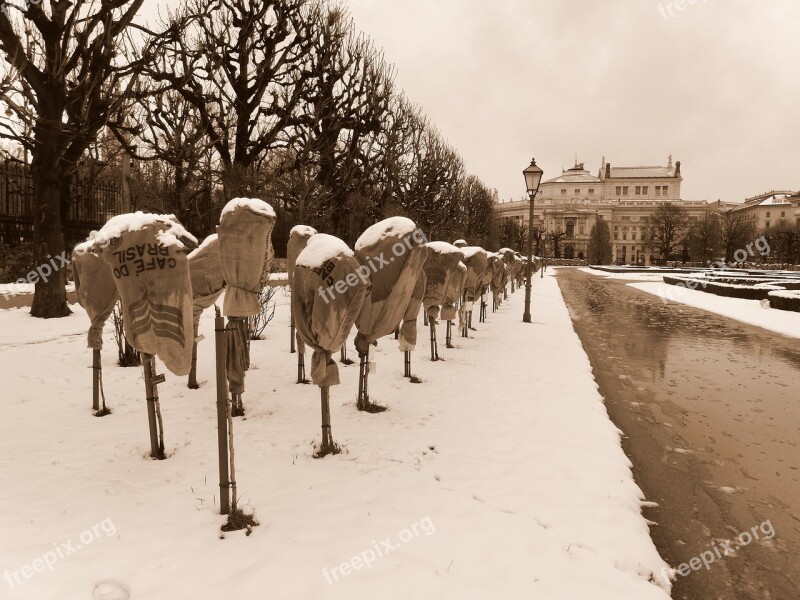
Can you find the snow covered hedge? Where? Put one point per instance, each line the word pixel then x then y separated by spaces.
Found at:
pixel 728 290
pixel 785 300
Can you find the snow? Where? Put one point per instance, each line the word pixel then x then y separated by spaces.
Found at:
pixel 513 478
pixel 304 230
pixel 174 235
pixel 322 247
pixel 14 289
pixel 206 242
pixel 443 247
pixel 786 294
pixel 391 227
pixel 625 276
pixel 747 311
pixel 470 251
pixel 254 204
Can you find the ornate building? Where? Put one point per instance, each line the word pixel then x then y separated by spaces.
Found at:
pixel 625 197
pixel 771 209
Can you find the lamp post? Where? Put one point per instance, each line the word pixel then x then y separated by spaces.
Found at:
pixel 533 177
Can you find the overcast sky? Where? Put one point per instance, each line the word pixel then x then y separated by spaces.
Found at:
pixel 716 84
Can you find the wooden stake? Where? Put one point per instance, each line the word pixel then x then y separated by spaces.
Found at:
pixel 193 385
pixel 220 336
pixel 434 349
pixel 327 437
pixel 96 374
pixel 449 335
pixel 151 382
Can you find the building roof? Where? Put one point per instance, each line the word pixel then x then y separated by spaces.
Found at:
pixel 641 172
pixel 783 198
pixel 576 174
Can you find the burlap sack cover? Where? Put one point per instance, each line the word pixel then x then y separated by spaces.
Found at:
pixel 475 259
pixel 324 315
pixel 96 290
pixel 442 263
pixel 244 238
pixel 408 329
pixel 455 287
pixel 394 252
pixel 151 272
pixel 498 268
pixel 298 238
pixel 206 274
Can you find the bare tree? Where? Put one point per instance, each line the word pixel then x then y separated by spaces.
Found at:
pixel 244 67
pixel 669 228
pixel 735 232
pixel 66 74
pixel 705 240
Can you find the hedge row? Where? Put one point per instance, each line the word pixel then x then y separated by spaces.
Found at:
pixel 784 301
pixel 721 289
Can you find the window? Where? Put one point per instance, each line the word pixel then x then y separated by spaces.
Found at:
pixel 658 190
pixel 577 191
pixel 638 190
pixel 624 236
pixel 626 218
pixel 580 231
pixel 616 227
pixel 783 213
pixel 564 191
pixel 625 190
pixel 591 191
pixel 619 190
pixel 664 189
pixel 768 214
pixel 616 236
pixel 633 236
pixel 644 190
pixel 766 225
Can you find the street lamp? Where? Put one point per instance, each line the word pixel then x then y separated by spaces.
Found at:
pixel 533 177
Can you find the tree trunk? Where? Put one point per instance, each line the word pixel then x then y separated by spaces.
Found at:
pixel 50 298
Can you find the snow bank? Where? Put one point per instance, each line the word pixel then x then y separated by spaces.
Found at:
pixel 174 235
pixel 302 230
pixel 207 241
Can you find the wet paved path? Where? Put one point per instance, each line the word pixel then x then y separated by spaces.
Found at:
pixel 710 409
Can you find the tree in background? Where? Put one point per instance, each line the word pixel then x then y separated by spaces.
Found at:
pixel 599 249
pixel 784 242
pixel 705 242
pixel 67 72
pixel 736 231
pixel 669 228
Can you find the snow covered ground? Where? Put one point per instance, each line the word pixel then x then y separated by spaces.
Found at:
pixel 500 476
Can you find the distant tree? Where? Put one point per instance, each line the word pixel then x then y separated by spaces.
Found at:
pixel 736 231
pixel 705 238
pixel 554 238
pixel 784 242
pixel 509 233
pixel 599 250
pixel 669 229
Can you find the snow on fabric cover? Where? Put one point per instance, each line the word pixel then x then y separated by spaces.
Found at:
pixel 206 274
pixel 151 272
pixel 442 263
pixel 244 240
pixel 96 290
pixel 324 319
pixel 394 254
pixel 298 239
pixel 455 288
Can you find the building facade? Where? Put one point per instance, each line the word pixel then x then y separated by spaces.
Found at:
pixel 625 197
pixel 770 210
